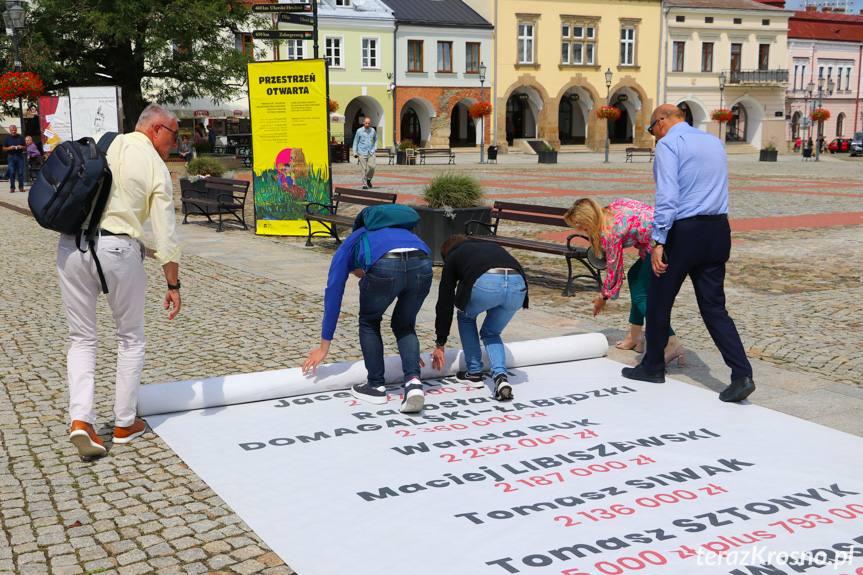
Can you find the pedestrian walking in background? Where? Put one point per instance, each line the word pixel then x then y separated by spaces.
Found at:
pixel 478 277
pixel 393 264
pixel 211 137
pixel 141 189
pixel 15 148
pixel 623 224
pixel 365 144
pixel 692 238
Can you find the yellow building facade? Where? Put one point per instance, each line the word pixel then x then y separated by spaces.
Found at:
pixel 551 59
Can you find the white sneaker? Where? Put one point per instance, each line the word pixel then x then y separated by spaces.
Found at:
pixel 414 398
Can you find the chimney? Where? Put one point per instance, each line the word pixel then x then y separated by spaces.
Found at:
pixel 811 8
pixel 839 10
pixel 827 9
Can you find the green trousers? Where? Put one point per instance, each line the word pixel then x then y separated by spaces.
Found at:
pixel 638 278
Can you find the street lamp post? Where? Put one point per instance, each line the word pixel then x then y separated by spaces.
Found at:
pixel 482 70
pixel 608 75
pixel 830 86
pixel 15 18
pixel 807 95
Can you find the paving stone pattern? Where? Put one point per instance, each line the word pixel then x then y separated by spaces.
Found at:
pixel 253 303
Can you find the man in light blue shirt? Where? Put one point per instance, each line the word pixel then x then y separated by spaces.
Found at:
pixel 365 144
pixel 691 237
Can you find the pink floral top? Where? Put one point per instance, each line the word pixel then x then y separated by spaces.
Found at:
pixel 631 225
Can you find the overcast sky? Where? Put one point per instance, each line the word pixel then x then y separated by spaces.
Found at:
pixel 854 6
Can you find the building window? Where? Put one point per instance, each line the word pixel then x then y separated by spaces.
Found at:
pixel 578 43
pixel 333 52
pixel 765 22
pixel 802 75
pixel 444 56
pixel 707 57
pixel 847 78
pixel 627 46
pixel 295 50
pixel 708 19
pixel 840 125
pixel 736 57
pixel 525 43
pixel 343 2
pixel 370 53
pixel 738 20
pixel 471 58
pixel 838 78
pixel 677 58
pixel 415 55
pixel 680 18
pixel 764 56
pixel 243 43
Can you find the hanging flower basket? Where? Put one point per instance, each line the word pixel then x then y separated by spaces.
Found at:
pixel 332 105
pixel 480 110
pixel 608 113
pixel 721 115
pixel 819 115
pixel 15 85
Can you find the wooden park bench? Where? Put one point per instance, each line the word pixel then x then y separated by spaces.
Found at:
pixel 545 215
pixel 424 153
pixel 330 217
pixel 631 152
pixel 386 153
pixel 221 196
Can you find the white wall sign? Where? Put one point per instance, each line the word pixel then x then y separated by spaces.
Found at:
pixel 94 110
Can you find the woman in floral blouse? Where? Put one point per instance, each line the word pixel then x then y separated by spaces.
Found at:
pixel 623 224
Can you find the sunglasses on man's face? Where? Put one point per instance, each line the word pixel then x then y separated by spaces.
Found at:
pixel 650 128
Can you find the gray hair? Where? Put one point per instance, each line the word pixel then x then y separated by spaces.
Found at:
pixel 155 114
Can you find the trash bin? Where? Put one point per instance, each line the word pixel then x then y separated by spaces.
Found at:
pixel 492 154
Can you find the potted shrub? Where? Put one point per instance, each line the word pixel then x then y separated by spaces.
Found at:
pixel 401 154
pixel 769 153
pixel 205 166
pixel 451 201
pixel 547 155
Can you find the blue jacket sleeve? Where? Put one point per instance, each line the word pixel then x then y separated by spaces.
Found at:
pixel 665 172
pixel 340 267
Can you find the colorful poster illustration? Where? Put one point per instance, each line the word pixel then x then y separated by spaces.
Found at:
pixel 290 139
pixel 55 120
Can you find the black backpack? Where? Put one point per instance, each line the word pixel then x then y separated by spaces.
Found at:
pixel 74 183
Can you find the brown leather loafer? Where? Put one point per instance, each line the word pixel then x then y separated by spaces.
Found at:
pixel 127 434
pixel 84 437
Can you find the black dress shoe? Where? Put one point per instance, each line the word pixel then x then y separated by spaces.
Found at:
pixel 638 373
pixel 739 389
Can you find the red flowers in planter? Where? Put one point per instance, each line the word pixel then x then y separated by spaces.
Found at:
pixel 480 110
pixel 819 115
pixel 20 84
pixel 608 113
pixel 722 115
pixel 332 106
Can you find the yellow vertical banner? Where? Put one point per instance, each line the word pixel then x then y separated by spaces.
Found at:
pixel 290 125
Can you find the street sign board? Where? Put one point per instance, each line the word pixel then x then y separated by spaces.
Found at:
pixel 281 35
pixel 297 19
pixel 281 8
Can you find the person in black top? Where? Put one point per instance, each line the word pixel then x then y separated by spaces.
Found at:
pixel 478 277
pixel 15 147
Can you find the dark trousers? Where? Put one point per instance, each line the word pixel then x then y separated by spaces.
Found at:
pixel 698 249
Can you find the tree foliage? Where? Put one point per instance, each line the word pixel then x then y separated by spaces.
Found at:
pixel 163 51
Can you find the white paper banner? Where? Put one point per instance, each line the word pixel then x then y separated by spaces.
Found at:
pixel 250 387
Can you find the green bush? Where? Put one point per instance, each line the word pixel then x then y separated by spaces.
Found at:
pixel 204 166
pixel 453 190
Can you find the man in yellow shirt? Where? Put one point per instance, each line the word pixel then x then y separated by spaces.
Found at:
pixel 141 190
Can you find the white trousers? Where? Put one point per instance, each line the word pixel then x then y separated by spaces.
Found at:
pixel 368 163
pixel 122 263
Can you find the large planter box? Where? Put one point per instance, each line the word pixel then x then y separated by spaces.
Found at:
pixel 401 158
pixel 434 226
pixel 768 155
pixel 547 157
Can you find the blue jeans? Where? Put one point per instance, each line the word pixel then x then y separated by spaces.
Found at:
pixel 16 168
pixel 500 296
pixel 407 280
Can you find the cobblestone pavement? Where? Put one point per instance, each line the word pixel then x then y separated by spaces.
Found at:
pixel 253 303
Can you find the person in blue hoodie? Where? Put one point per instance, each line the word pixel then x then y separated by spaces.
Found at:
pixel 393 265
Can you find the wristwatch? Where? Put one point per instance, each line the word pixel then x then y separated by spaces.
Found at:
pixel 174 287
